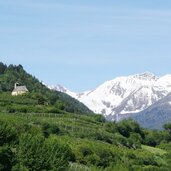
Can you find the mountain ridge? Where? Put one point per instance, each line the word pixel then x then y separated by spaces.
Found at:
pixel 155 116
pixel 125 94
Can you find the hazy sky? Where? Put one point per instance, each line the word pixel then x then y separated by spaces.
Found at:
pixel 80 44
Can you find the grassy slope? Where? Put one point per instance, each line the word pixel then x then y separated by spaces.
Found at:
pixel 154 150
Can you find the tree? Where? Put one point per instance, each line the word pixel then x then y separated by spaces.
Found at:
pixel 48 129
pixel 125 127
pixel 6 158
pixel 36 153
pixel 2 68
pixel 167 127
pixel 8 133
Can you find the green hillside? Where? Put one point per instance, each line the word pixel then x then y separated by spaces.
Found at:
pixel 11 74
pixel 45 130
pixel 71 142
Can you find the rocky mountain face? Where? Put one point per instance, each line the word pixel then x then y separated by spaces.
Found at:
pixel 155 116
pixel 124 95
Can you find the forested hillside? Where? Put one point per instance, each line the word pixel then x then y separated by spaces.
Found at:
pixel 11 74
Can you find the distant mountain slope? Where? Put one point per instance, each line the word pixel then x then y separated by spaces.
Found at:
pixel 156 115
pixel 124 95
pixel 62 89
pixel 11 74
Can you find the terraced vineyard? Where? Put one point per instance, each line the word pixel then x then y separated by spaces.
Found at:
pixel 94 144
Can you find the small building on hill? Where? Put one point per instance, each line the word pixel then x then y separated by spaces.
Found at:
pixel 19 90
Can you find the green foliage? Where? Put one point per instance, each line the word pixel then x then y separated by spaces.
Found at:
pixel 168 127
pixel 37 153
pixel 125 127
pixel 2 68
pixel 6 158
pixel 50 142
pixel 111 127
pixel 8 133
pixel 37 91
pixel 48 129
pixel 154 138
pixel 100 118
pixel 154 150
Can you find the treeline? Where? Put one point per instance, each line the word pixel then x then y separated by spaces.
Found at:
pixel 11 74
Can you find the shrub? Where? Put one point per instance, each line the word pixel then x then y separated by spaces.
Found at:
pixel 37 153
pixel 6 158
pixel 8 133
pixel 48 129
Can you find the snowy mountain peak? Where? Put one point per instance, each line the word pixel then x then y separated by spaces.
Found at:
pixel 124 95
pixel 146 76
pixel 165 78
pixel 58 87
pixel 62 89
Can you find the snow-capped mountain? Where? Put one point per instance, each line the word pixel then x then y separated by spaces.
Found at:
pixel 123 95
pixel 63 90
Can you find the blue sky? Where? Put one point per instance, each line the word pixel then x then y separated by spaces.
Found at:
pixel 80 44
